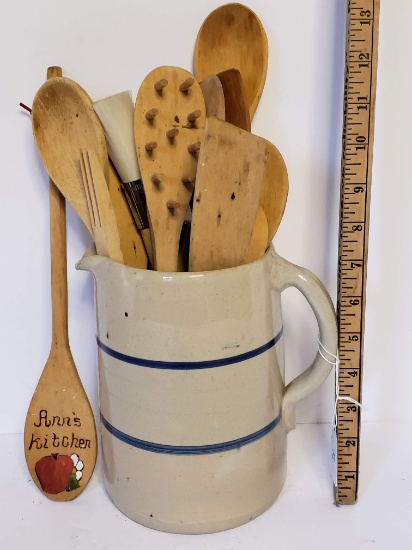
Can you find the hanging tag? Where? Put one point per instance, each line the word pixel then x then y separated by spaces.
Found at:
pixel 334 456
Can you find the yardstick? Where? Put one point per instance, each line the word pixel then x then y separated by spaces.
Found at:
pixel 357 148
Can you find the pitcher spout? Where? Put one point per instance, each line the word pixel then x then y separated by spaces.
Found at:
pixel 90 261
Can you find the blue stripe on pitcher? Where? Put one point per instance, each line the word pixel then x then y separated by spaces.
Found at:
pixel 189 449
pixel 189 365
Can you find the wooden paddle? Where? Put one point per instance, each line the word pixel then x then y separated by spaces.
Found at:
pixel 259 239
pixel 228 186
pixel 64 124
pixel 169 121
pixel 60 441
pixel 232 36
pixel 275 186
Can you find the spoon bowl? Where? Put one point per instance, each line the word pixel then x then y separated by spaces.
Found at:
pixel 232 36
pixel 64 124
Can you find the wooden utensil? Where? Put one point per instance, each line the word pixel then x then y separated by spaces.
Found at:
pixel 116 114
pixel 228 186
pixel 131 241
pixel 64 123
pixel 169 121
pixel 237 113
pixel 60 441
pixel 259 239
pixel 102 217
pixel 232 36
pixel 236 108
pixel 214 96
pixel 275 189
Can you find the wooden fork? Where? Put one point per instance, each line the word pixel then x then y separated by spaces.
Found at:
pixel 102 216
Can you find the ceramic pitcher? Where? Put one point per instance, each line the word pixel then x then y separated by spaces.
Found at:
pixel 194 410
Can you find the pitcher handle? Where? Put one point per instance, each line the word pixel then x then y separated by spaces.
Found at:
pixel 284 275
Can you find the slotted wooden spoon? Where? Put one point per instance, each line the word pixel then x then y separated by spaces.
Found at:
pixel 60 441
pixel 64 123
pixel 232 36
pixel 102 218
pixel 168 126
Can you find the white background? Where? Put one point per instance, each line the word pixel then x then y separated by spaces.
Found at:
pixel 109 46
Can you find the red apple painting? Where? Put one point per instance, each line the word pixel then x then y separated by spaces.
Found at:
pixel 57 473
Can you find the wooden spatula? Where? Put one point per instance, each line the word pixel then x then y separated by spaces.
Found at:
pixel 260 236
pixel 214 96
pixel 227 193
pixel 169 121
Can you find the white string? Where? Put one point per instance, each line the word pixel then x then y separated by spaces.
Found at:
pixel 338 397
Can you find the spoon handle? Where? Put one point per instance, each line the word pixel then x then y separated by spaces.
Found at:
pixel 58 262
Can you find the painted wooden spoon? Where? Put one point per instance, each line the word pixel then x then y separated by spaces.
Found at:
pixel 232 36
pixel 64 124
pixel 60 441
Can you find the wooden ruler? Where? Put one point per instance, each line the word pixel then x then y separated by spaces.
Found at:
pixel 358 132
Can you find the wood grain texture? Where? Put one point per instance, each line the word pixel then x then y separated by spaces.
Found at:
pixel 275 189
pixel 102 216
pixel 227 194
pixel 259 239
pixel 214 96
pixel 64 123
pixel 236 107
pixel 167 167
pixel 131 239
pixel 232 36
pixel 60 442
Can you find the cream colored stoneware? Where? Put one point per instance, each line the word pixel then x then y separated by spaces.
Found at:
pixel 194 409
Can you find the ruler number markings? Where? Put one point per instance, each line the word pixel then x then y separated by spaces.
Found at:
pixel 357 144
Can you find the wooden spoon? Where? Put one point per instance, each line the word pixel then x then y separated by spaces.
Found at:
pixel 232 36
pixel 102 217
pixel 169 121
pixel 60 441
pixel 64 124
pixel 228 186
pixel 275 189
pixel 236 108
